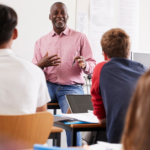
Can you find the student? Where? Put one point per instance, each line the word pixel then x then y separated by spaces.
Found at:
pixel 23 88
pixel 137 124
pixel 136 133
pixel 113 82
pixel 66 77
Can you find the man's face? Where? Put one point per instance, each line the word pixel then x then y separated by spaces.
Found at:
pixel 59 16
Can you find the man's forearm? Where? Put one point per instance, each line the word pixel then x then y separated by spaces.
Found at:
pixel 42 108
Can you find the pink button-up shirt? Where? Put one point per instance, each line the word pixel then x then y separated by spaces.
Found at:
pixel 65 45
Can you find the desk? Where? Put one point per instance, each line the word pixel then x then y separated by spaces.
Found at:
pixel 74 128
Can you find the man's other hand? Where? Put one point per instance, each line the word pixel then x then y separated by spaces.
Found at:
pixel 48 61
pixel 81 61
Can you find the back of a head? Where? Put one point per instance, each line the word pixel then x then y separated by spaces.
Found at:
pixel 8 22
pixel 116 43
pixel 136 133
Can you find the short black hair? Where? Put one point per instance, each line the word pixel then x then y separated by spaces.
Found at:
pixel 8 22
pixel 57 3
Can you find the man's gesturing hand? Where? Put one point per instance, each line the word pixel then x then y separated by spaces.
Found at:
pixel 81 61
pixel 48 61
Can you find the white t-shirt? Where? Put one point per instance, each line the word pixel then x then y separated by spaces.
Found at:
pixel 22 85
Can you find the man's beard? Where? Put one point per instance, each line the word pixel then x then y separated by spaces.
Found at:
pixel 59 24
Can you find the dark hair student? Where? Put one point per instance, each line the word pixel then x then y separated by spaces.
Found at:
pixel 8 22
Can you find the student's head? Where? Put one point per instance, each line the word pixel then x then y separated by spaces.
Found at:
pixel 136 135
pixel 116 43
pixel 8 22
pixel 59 15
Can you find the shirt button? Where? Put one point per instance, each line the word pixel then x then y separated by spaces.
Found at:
pixel 58 76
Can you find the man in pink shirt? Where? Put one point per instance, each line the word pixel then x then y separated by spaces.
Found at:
pixel 71 56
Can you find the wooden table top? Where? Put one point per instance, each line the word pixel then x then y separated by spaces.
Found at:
pixel 96 125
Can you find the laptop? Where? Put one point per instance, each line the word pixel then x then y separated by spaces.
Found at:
pixel 79 103
pixel 143 58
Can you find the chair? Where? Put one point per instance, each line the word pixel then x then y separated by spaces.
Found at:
pixel 56 132
pixel 29 128
pixel 54 106
pixel 56 136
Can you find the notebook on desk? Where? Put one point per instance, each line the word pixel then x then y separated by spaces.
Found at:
pixel 79 103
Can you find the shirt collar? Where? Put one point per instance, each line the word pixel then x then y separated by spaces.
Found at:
pixel 66 32
pixel 4 52
pixel 53 33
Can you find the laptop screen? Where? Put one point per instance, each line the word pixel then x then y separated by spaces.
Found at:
pixel 79 103
pixel 143 58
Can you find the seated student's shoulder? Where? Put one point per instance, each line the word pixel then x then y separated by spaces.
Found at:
pixel 140 66
pixel 26 66
pixel 97 69
pixel 100 65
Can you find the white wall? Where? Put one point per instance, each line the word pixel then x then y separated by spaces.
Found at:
pixel 144 26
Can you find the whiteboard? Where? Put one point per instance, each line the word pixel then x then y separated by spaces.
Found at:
pixel 33 22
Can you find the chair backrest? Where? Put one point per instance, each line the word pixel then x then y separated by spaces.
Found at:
pixel 29 128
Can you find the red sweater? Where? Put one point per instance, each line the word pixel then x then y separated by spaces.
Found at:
pixel 97 101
